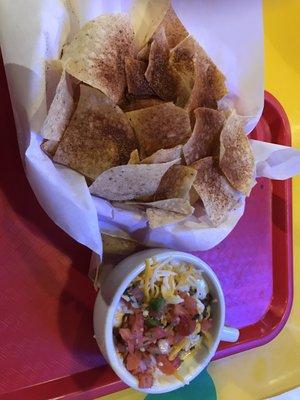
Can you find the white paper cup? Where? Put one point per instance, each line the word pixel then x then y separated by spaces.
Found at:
pixel 111 290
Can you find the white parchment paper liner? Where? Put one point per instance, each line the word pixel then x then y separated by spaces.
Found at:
pixel 33 31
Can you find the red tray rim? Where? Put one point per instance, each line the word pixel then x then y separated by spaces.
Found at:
pixel 261 333
pixel 275 318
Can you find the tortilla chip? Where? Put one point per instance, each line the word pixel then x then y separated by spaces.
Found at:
pixel 137 84
pixel 193 196
pixel 216 82
pixel 49 147
pixel 119 246
pixel 143 54
pixel 128 182
pixel 115 249
pixel 181 206
pixel 214 190
pixel 61 109
pixel 158 218
pixel 159 74
pixel 209 86
pixel 146 16
pixel 98 137
pixel 160 127
pixel 174 29
pixel 182 63
pixel 236 156
pixel 97 53
pixel 138 104
pixel 134 157
pixel 53 72
pixel 206 135
pixel 164 155
pixel 176 183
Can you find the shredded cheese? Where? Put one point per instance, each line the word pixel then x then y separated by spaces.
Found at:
pixel 147 276
pixel 177 348
pixel 179 377
pixel 198 328
pixel 185 355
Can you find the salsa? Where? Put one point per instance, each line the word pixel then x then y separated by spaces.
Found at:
pixel 162 317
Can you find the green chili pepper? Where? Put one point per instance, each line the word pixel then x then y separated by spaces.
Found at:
pixel 157 304
pixel 152 322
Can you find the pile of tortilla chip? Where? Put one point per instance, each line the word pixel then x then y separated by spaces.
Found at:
pixel 137 115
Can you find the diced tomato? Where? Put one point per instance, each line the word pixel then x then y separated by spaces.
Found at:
pixel 133 361
pixel 174 338
pixel 136 322
pixel 121 347
pixel 145 380
pixel 175 321
pixel 176 362
pixel 190 303
pixel 165 365
pixel 126 335
pixel 156 333
pixel 186 326
pixel 206 324
pixel 179 311
pixel 136 325
pixel 137 362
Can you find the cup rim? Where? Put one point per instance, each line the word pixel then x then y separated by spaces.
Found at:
pixel 115 361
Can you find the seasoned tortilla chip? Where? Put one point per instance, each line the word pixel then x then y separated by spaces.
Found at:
pixel 182 63
pixel 158 218
pixel 61 109
pixel 236 156
pixel 128 182
pixel 138 104
pixel 115 249
pixel 176 183
pixel 181 206
pixel 206 135
pixel 49 147
pixel 160 127
pixel 137 84
pixel 174 29
pixel 209 85
pixel 134 157
pixel 119 246
pixel 159 74
pixel 143 54
pixel 96 54
pixel 53 72
pixel 99 136
pixel 193 196
pixel 146 16
pixel 214 190
pixel 164 155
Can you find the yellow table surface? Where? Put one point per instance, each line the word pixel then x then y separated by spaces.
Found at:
pixel 275 367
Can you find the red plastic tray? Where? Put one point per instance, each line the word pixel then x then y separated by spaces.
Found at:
pixel 47 348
